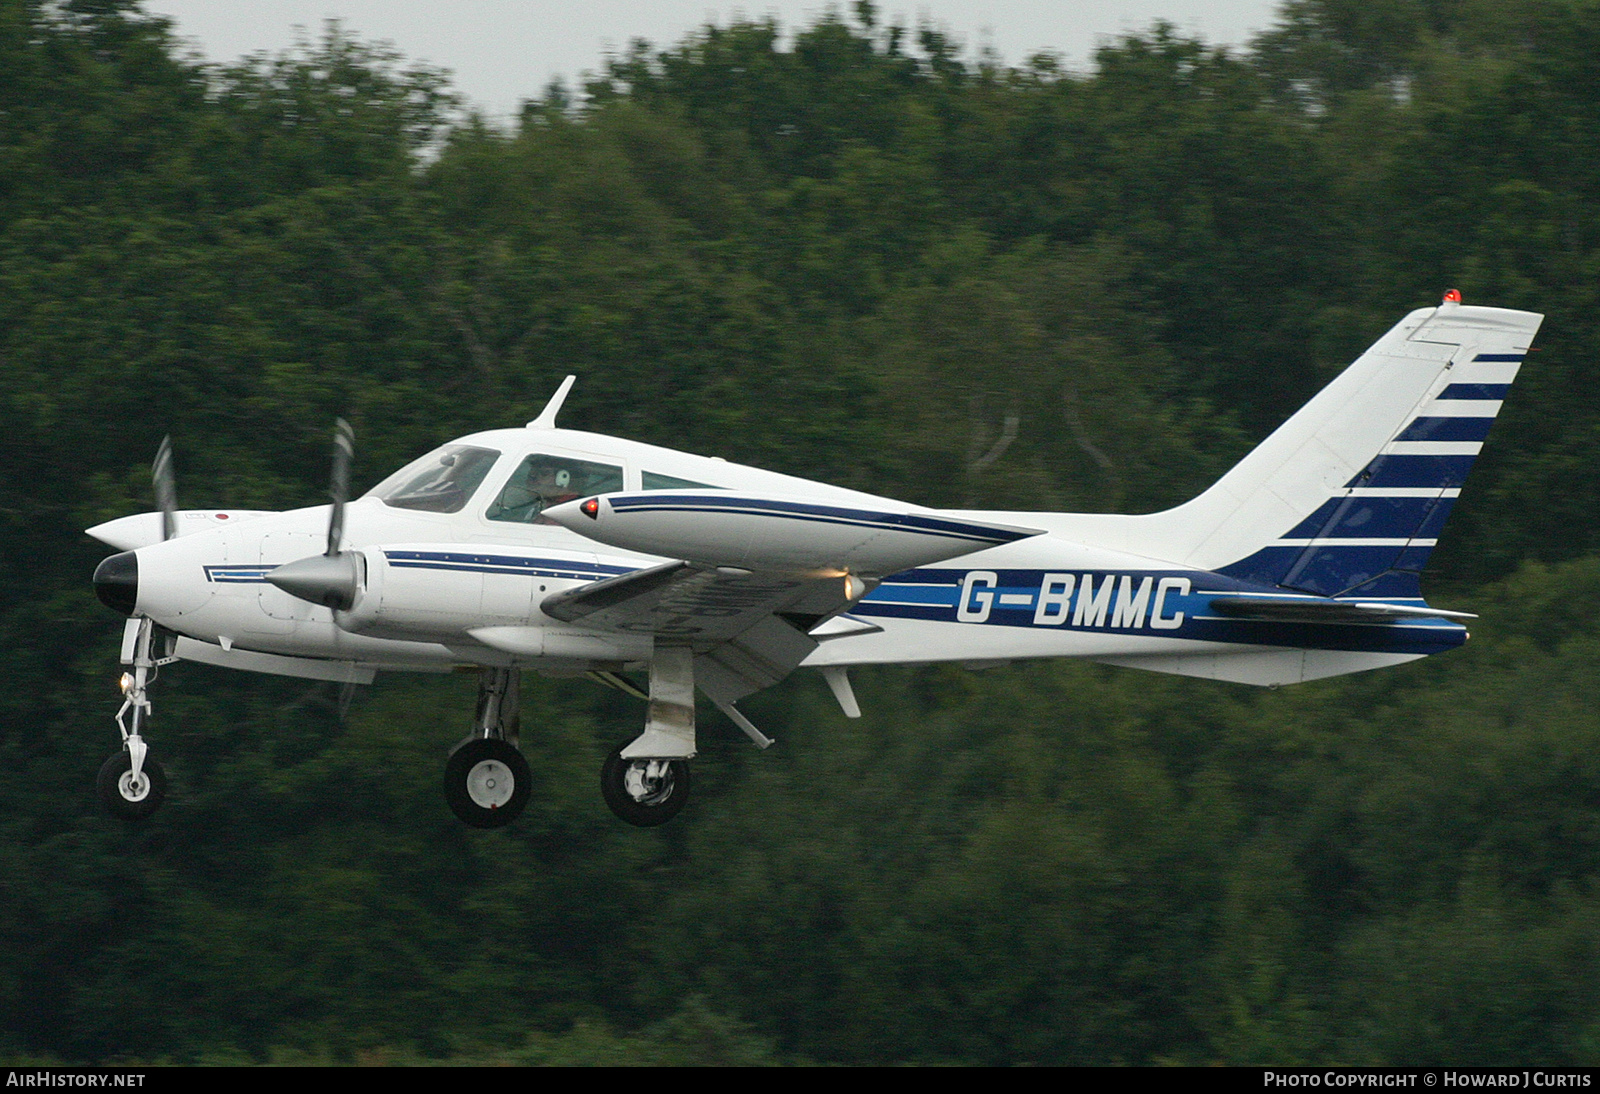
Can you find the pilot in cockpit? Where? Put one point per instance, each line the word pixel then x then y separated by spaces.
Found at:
pixel 533 488
pixel 551 484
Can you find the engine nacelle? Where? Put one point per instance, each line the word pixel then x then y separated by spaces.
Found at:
pixel 440 591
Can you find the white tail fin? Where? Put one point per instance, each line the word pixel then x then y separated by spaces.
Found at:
pixel 1349 493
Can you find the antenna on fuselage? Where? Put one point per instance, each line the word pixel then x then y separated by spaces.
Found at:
pixel 547 416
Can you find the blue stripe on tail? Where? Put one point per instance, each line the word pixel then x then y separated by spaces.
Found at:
pixel 1475 391
pixel 1446 429
pixel 1373 537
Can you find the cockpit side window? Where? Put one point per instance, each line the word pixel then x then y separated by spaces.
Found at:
pixel 543 481
pixel 650 480
pixel 441 482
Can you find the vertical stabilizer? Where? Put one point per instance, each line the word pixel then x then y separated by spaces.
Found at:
pixel 1390 452
pixel 1350 493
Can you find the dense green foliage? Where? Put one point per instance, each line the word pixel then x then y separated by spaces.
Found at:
pixel 862 258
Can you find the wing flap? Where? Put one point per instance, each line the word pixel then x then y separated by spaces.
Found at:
pixel 756 659
pixel 698 605
pixel 738 622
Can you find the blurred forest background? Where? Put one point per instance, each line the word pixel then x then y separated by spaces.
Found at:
pixel 859 254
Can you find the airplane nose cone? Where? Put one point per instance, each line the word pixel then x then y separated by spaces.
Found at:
pixel 116 582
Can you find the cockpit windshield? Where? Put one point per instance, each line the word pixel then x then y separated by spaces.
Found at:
pixel 443 481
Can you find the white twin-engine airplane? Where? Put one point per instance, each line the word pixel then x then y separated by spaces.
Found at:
pixel 573 553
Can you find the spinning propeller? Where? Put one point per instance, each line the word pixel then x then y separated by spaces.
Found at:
pixel 166 488
pixel 332 578
pixel 344 454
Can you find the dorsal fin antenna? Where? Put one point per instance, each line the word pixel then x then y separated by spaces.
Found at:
pixel 547 416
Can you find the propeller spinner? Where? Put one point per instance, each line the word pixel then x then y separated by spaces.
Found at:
pixel 332 578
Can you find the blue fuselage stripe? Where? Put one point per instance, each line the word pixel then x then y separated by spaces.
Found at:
pixel 502 564
pixel 523 571
pixel 1157 604
pixel 238 575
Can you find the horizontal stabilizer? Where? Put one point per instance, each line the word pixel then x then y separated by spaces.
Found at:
pixel 1307 610
pixel 1265 667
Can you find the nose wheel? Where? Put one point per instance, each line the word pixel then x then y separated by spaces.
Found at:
pixel 128 794
pixel 642 792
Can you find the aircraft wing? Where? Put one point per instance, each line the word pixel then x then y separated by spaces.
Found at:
pixel 747 628
pixel 759 571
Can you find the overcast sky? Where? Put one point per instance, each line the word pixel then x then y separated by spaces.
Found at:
pixel 503 51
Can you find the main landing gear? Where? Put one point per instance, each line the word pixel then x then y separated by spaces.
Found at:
pixel 644 793
pixel 132 784
pixel 646 781
pixel 486 780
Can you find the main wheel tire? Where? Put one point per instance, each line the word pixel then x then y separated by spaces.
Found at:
pixel 486 782
pixel 643 796
pixel 126 798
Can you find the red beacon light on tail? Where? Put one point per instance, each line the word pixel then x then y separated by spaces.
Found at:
pixel 1452 296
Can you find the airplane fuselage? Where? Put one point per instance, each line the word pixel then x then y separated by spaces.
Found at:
pixel 461 588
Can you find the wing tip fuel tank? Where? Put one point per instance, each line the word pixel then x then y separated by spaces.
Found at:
pixel 768 532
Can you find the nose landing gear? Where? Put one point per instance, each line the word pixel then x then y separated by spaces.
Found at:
pixel 131 784
pixel 129 794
